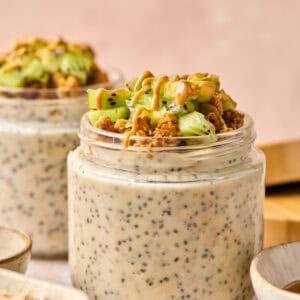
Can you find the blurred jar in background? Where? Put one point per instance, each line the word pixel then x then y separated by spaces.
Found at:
pixel 38 127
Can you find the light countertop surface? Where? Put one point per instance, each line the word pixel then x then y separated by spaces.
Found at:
pixel 50 270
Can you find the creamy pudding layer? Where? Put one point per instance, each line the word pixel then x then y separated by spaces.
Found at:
pixel 155 229
pixel 33 181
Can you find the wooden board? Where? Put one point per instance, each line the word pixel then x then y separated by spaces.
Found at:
pixel 283 161
pixel 282 215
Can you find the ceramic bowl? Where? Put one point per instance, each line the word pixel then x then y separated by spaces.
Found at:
pixel 15 249
pixel 17 284
pixel 275 268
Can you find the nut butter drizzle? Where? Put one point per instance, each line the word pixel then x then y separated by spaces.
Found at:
pixel 98 100
pixel 141 78
pixel 140 110
pixel 182 91
pixel 136 96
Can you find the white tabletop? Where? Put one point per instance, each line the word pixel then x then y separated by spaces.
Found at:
pixel 51 270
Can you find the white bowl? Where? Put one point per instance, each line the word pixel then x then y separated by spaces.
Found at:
pixel 273 269
pixel 15 249
pixel 16 284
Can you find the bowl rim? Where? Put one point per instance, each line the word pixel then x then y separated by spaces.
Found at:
pixel 41 285
pixel 27 247
pixel 259 278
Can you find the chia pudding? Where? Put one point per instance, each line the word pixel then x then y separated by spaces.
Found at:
pixel 38 127
pixel 180 219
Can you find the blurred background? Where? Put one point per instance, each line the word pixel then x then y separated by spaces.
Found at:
pixel 253 45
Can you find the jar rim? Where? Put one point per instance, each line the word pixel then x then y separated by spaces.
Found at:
pixel 113 140
pixel 115 76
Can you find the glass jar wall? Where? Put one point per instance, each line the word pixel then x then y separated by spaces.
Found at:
pixel 176 222
pixel 37 131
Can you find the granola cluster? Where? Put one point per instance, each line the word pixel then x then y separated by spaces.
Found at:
pixel 162 107
pixel 37 64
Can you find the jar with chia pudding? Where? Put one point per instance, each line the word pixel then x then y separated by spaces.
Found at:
pixel 165 201
pixel 42 97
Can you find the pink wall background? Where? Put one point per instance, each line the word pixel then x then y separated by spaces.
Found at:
pixel 253 45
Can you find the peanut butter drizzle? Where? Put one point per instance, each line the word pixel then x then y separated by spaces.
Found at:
pixel 11 67
pixel 133 130
pixel 156 91
pixel 98 99
pixel 141 78
pixel 147 81
pixel 140 110
pixel 182 91
pixel 136 96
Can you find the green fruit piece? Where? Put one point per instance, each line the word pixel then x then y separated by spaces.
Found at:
pixel 215 79
pixel 196 77
pixel 194 124
pixel 76 65
pixel 114 114
pixel 131 83
pixel 181 110
pixel 50 61
pixel 38 43
pixel 169 89
pixel 155 115
pixel 202 91
pixel 144 100
pixel 206 90
pixel 34 70
pixel 13 78
pixel 109 99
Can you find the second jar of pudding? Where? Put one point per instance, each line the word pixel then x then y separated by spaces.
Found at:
pixel 36 134
pixel 176 222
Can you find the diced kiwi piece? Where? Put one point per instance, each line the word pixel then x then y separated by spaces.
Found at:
pixel 206 90
pixel 114 114
pixel 196 77
pixel 109 98
pixel 13 78
pixel 50 61
pixel 155 115
pixel 76 65
pixel 38 43
pixel 169 89
pixel 194 124
pixel 215 79
pixel 34 70
pixel 144 100
pixel 131 83
pixel 202 91
pixel 181 110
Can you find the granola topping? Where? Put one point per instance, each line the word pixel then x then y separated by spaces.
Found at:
pixel 38 63
pixel 164 107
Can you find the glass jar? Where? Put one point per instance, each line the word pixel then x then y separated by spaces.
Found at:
pixel 36 133
pixel 177 222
